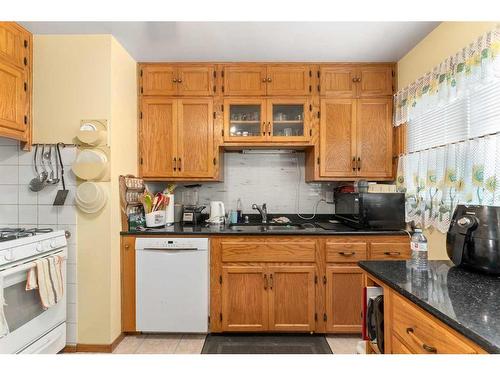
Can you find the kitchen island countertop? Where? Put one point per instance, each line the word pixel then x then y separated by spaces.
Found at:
pixel 466 301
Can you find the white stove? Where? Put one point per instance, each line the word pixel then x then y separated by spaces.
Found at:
pixel 31 329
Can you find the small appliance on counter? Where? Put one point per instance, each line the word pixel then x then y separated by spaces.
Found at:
pixel 192 215
pixel 376 211
pixel 217 212
pixel 473 239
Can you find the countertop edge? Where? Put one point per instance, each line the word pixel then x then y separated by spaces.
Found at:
pixel 480 341
pixel 290 233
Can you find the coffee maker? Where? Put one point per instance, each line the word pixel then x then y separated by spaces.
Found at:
pixel 473 240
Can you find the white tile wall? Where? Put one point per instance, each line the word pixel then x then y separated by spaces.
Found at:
pixel 19 206
pixel 277 179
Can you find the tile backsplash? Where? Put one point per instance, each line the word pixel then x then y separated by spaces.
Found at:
pixel 274 178
pixel 20 207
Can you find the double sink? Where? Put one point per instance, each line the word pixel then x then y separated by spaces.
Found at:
pixel 269 227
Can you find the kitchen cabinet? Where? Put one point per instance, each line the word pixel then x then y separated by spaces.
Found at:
pixel 244 298
pixel 344 287
pixel 261 80
pixel 356 81
pixel 170 129
pixel 177 80
pixel 127 255
pixel 291 298
pixel 257 120
pixel 244 80
pixel 355 138
pixel 15 82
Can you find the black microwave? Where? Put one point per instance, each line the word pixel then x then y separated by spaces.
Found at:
pixel 377 211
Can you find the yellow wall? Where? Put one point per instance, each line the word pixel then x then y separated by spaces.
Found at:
pixel 90 77
pixel 123 131
pixel 445 40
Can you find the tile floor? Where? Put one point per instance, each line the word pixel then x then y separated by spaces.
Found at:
pixel 193 344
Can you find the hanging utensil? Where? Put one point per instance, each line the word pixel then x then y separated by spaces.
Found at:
pixel 56 162
pixel 44 174
pixel 48 156
pixel 61 194
pixel 36 183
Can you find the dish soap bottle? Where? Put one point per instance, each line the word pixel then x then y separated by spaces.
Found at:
pixel 419 253
pixel 239 211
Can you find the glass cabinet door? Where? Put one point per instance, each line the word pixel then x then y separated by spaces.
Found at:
pixel 287 120
pixel 244 120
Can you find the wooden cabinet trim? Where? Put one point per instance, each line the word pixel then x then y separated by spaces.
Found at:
pixel 347 252
pixel 268 251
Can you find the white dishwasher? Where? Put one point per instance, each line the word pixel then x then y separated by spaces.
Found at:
pixel 172 282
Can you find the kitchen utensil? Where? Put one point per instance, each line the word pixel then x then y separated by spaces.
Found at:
pixel 36 183
pixel 61 195
pixel 48 157
pixel 44 174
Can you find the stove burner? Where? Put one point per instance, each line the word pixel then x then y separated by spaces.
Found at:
pixel 8 234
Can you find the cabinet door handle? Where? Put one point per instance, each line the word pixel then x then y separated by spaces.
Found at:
pixel 359 163
pixel 174 80
pixel 354 163
pixel 354 79
pixel 175 164
pixel 269 132
pixel 271 281
pixel 264 128
pixel 392 253
pixel 427 348
pixel 269 80
pixel 180 164
pixel 127 246
pixel 264 80
pixel 348 253
pixel 179 80
pixel 265 282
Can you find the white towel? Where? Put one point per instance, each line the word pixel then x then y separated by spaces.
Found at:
pixel 4 327
pixel 48 280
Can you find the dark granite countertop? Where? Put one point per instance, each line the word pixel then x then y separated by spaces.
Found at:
pixel 307 229
pixel 466 301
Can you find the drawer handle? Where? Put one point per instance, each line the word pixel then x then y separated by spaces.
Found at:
pixel 392 253
pixel 427 348
pixel 347 254
pixel 265 282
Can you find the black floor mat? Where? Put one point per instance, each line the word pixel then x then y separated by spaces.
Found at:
pixel 266 344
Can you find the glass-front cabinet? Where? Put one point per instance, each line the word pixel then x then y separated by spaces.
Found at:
pixel 287 120
pixel 245 120
pixel 267 120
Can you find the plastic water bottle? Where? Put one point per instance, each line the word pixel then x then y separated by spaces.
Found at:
pixel 419 254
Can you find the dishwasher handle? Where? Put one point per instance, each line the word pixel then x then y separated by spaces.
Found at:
pixel 168 249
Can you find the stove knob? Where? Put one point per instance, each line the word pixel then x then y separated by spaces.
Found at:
pixel 9 256
pixel 39 247
pixel 464 221
pixel 52 244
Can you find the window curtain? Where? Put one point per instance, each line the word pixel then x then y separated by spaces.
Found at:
pixel 453 117
pixel 469 69
pixel 438 179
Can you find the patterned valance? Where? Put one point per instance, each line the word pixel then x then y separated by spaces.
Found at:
pixel 451 79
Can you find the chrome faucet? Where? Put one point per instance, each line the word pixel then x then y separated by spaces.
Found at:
pixel 262 211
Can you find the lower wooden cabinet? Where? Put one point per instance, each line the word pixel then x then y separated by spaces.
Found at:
pixel 268 298
pixel 291 298
pixel 344 287
pixel 244 298
pixel 127 254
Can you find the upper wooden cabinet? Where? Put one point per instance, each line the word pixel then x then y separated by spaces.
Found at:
pixel 245 80
pixel 258 120
pixel 356 81
pixel 15 82
pixel 274 80
pixel 173 80
pixel 176 138
pixel 356 138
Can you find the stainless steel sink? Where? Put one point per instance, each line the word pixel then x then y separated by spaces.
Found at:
pixel 265 227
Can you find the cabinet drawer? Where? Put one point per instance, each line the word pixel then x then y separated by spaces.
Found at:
pixel 423 334
pixel 390 250
pixel 398 347
pixel 268 251
pixel 345 252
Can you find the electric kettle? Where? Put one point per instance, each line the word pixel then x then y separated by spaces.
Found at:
pixel 217 212
pixel 473 240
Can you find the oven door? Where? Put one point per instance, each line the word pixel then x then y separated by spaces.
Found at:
pixel 26 318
